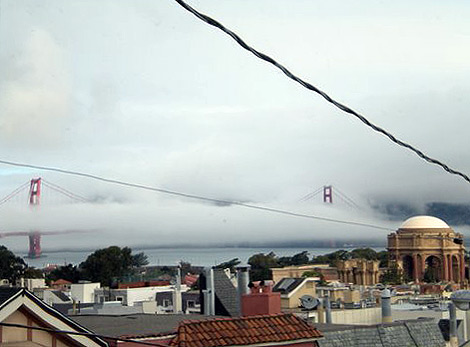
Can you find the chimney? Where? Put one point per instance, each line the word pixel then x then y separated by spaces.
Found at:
pixel 177 300
pixel 243 279
pixel 261 300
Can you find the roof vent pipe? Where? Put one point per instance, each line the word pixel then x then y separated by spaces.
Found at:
pixel 177 299
pixel 243 279
pixel 209 297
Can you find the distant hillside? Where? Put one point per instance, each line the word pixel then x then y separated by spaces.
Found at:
pixel 453 214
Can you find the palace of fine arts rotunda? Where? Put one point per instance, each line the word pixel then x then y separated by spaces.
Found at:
pixel 425 247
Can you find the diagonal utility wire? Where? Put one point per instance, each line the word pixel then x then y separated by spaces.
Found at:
pixel 192 196
pixel 312 88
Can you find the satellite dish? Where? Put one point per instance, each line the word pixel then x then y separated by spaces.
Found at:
pixel 309 302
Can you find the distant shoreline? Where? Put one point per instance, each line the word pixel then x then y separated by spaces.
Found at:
pixel 306 245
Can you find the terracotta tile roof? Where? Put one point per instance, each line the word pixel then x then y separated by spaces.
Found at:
pixel 243 331
pixel 190 279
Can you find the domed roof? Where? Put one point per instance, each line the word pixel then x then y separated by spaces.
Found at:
pixel 424 222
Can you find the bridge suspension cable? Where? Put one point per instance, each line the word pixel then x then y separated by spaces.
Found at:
pixel 347 199
pixel 194 196
pixel 14 193
pixel 64 191
pixel 312 194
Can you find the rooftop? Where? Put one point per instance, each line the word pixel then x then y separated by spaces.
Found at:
pixel 420 332
pixel 244 331
pixel 134 324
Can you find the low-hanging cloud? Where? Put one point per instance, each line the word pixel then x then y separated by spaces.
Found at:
pixel 149 95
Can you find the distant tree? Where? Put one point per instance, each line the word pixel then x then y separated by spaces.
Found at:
pixel 284 261
pixel 311 273
pixel 300 258
pixel 166 270
pixel 393 275
pixel 430 275
pixel 297 259
pixel 261 264
pixel 332 258
pixel 186 267
pixel 11 266
pixel 364 253
pixel 67 272
pixel 139 260
pixel 383 257
pixel 231 264
pixel 32 272
pixel 108 264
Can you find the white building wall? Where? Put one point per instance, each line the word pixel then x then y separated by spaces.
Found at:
pixel 134 295
pixel 84 292
pixel 362 316
pixel 31 283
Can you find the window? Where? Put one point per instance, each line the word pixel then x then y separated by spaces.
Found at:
pixel 190 303
pixel 166 303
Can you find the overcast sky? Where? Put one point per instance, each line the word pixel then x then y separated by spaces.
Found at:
pixel 143 91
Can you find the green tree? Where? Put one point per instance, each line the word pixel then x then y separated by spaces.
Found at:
pixel 311 273
pixel 297 259
pixel 231 264
pixel 32 272
pixel 364 253
pixel 108 264
pixel 383 257
pixel 332 258
pixel 393 275
pixel 139 260
pixel 300 258
pixel 67 272
pixel 260 266
pixel 11 266
pixel 430 275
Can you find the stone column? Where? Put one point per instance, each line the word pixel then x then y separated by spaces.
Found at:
pixel 446 267
pixel 449 263
pixel 462 267
pixel 423 264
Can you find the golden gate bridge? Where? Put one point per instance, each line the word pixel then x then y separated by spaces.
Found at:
pixel 327 192
pixel 35 193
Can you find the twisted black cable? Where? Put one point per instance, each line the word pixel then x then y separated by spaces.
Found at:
pixel 311 87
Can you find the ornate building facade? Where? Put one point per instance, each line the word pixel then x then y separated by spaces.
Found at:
pixel 424 248
pixel 358 271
